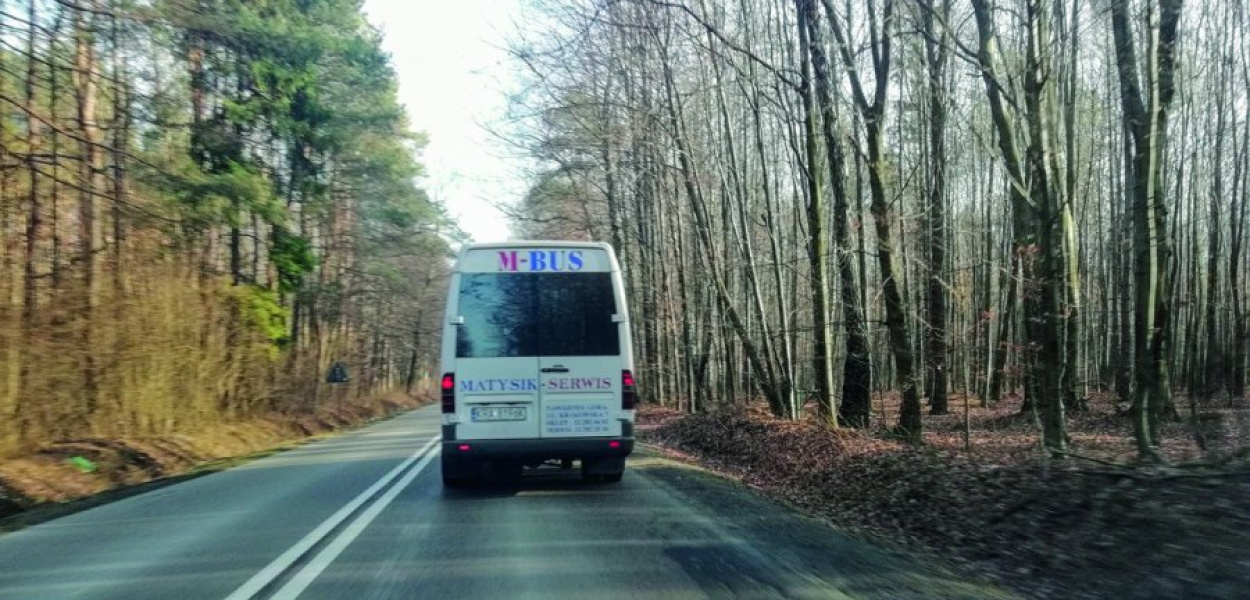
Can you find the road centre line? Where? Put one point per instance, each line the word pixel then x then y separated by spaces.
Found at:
pixel 284 561
pixel 305 576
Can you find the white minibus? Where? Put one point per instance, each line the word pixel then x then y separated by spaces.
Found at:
pixel 537 361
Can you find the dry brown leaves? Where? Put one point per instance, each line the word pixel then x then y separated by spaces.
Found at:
pixel 1047 529
pixel 44 476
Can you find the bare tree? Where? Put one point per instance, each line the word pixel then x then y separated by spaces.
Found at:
pixel 1146 110
pixel 881 29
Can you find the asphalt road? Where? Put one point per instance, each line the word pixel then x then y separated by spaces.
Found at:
pixel 365 515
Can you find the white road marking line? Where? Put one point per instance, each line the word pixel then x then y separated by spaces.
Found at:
pixel 279 565
pixel 309 573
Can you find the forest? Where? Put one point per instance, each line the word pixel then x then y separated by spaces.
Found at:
pixel 967 276
pixel 205 205
pixel 827 203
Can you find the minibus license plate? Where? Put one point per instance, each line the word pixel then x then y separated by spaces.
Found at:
pixel 499 413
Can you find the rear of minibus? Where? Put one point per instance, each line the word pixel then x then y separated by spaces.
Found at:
pixel 537 361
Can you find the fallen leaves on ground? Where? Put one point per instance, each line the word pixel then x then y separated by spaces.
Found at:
pixel 49 475
pixel 1047 529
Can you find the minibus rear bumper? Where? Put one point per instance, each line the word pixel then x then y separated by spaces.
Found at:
pixel 527 450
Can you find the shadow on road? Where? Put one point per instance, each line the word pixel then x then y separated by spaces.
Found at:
pixel 541 479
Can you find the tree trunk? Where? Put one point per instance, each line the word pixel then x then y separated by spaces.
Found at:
pixel 817 244
pixel 1147 124
pixel 855 409
pixel 1034 215
pixel 873 112
pixel 1241 185
pixel 410 379
pixel 25 405
pixel 121 143
pixel 935 59
pixel 89 235
pixel 1046 223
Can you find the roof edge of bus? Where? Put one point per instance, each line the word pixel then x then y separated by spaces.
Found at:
pixel 613 261
pixel 536 244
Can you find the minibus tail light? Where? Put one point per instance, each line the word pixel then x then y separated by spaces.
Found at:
pixel 629 394
pixel 449 393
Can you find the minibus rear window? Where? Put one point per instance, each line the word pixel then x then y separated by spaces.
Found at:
pixel 536 314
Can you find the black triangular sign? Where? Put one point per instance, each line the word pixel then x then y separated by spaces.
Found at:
pixel 338 374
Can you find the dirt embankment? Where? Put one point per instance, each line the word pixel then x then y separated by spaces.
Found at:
pixel 1078 528
pixel 71 474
